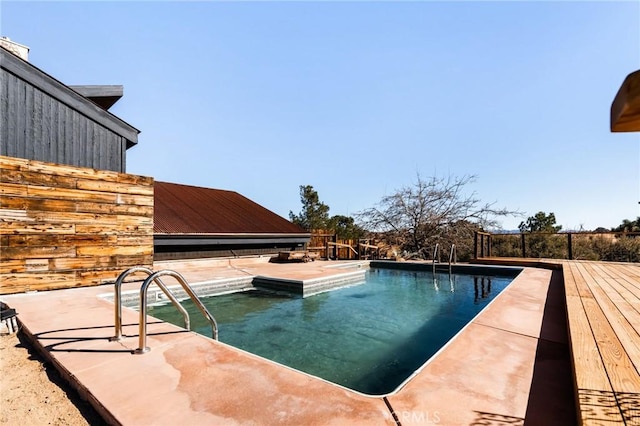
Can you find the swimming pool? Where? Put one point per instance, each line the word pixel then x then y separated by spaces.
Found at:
pixel 369 337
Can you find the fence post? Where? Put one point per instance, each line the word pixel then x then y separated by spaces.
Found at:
pixel 475 245
pixel 570 246
pixel 523 242
pixel 489 245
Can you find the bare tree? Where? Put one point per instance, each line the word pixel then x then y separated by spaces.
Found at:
pixel 430 211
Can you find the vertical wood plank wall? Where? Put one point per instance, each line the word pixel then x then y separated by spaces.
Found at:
pixel 37 126
pixel 64 226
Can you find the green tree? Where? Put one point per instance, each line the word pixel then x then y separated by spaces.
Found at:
pixel 314 214
pixel 346 228
pixel 540 244
pixel 541 222
pixel 628 226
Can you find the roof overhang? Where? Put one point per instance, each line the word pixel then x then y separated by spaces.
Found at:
pixel 625 109
pixel 63 93
pixel 228 239
pixel 103 95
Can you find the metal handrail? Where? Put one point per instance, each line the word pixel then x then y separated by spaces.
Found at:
pixel 118 299
pixel 435 252
pixel 143 348
pixel 453 254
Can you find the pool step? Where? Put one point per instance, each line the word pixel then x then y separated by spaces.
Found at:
pixel 310 287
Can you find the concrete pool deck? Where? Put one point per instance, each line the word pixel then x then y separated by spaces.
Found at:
pixel 510 365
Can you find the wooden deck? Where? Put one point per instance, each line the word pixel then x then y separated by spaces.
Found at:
pixel 603 317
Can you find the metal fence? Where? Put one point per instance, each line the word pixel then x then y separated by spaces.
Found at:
pixel 604 246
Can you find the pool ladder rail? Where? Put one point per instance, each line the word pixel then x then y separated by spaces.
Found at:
pixel 154 278
pixel 453 258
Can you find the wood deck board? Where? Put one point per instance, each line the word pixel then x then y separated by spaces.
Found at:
pixel 632 290
pixel 625 285
pixel 594 394
pixel 619 274
pixel 628 271
pixel 631 299
pixel 616 362
pixel 584 346
pixel 621 338
pixel 610 296
pixel 625 275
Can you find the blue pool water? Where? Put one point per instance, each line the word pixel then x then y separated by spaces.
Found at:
pixel 368 337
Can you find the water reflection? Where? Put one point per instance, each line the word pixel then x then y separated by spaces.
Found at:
pixel 312 305
pixel 452 283
pixel 481 288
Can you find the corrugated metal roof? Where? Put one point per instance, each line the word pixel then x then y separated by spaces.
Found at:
pixel 184 209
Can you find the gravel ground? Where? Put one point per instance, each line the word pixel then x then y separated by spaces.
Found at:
pixel 33 393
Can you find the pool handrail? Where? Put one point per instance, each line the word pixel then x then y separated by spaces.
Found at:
pixel 435 253
pixel 453 254
pixel 142 347
pixel 117 299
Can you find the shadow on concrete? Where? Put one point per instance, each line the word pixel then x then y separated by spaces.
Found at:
pixel 494 419
pixel 551 397
pixel 65 339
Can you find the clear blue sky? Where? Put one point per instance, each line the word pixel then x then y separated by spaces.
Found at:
pixel 355 98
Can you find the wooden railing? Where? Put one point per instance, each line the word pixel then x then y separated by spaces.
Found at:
pixel 484 240
pixel 330 246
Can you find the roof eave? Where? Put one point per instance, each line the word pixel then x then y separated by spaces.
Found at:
pixel 226 239
pixel 625 109
pixel 63 93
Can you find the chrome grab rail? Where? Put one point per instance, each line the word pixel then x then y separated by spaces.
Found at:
pixel 453 258
pixel 453 254
pixel 143 348
pixel 118 299
pixel 435 253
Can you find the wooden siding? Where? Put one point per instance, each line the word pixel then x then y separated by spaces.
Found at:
pixel 63 226
pixel 44 120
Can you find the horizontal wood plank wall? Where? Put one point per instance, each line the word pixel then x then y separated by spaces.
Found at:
pixel 65 226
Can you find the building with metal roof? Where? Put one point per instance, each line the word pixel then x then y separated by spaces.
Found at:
pixel 196 222
pixel 45 120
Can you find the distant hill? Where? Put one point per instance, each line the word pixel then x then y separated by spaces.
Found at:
pixel 506 231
